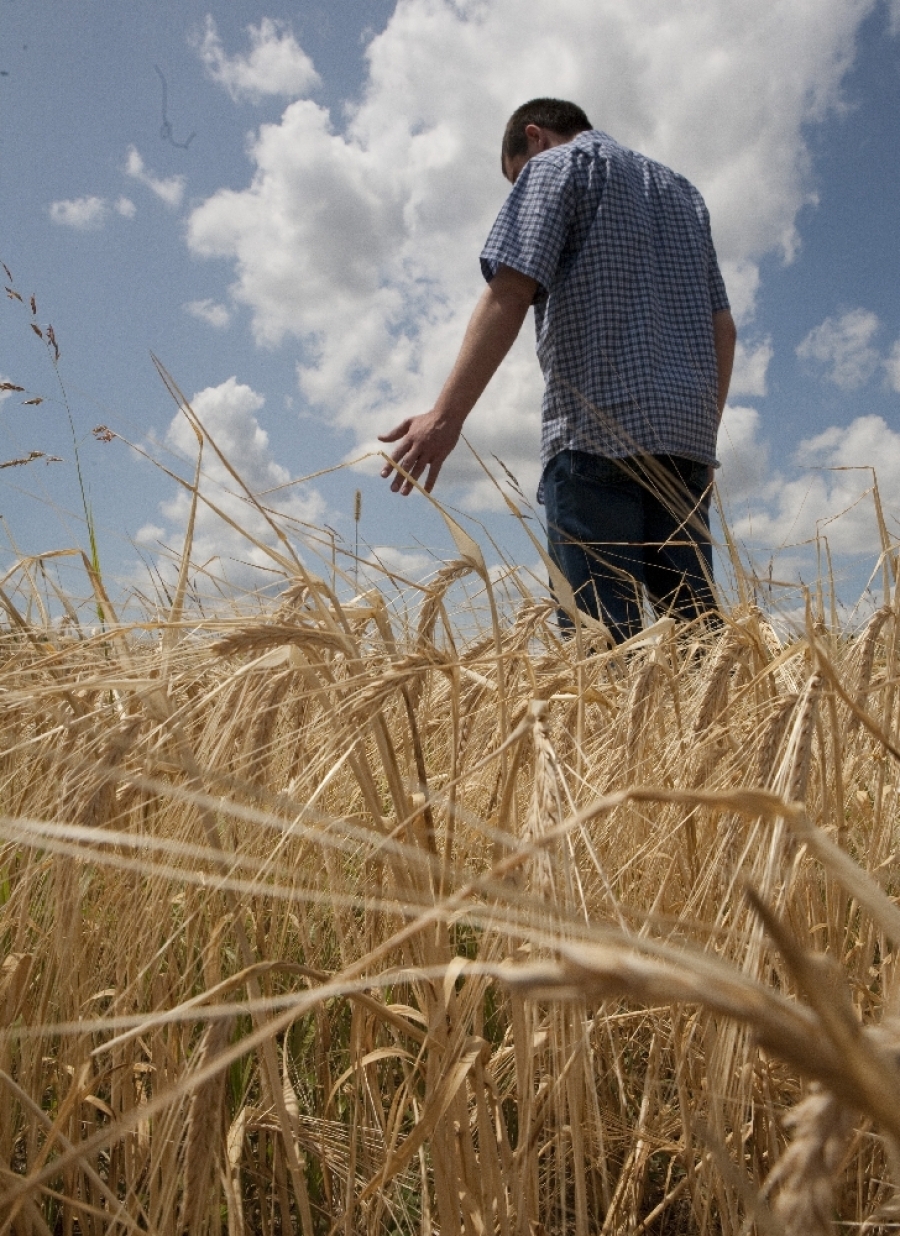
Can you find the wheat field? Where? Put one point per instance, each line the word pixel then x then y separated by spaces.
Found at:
pixel 351 916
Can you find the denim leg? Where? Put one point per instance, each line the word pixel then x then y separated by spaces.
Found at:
pixel 595 531
pixel 679 561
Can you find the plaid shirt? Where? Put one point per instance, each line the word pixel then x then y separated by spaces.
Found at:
pixel 628 280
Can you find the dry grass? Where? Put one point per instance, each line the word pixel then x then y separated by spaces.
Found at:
pixel 336 920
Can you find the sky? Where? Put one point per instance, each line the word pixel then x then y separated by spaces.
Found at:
pixel 285 206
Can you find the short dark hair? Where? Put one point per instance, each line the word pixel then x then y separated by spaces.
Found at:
pixel 560 117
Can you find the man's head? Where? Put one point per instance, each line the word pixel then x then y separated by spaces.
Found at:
pixel 535 126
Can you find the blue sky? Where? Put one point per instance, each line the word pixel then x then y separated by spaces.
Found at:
pixel 296 239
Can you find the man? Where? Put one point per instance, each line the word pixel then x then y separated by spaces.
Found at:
pixel 636 343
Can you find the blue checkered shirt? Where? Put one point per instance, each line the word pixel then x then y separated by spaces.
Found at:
pixel 628 281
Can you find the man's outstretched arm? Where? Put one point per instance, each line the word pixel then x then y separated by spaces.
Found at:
pixel 425 441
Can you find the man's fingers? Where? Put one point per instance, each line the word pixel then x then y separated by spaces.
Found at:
pixel 413 470
pixel 419 449
pixel 396 456
pixel 399 462
pixel 415 473
pixel 399 432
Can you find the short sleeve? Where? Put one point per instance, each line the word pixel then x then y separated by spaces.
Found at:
pixel 530 231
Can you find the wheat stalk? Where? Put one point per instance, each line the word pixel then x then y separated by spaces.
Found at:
pixel 475 900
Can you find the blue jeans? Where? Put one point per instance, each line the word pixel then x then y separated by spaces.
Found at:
pixel 618 526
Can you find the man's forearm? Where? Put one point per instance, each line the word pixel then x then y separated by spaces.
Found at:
pixel 424 442
pixel 725 341
pixel 492 330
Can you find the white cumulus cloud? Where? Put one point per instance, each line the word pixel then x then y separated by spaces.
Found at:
pixel 149 534
pixel 361 243
pixel 892 366
pixel 125 207
pixel 228 412
pixel 85 214
pixel 751 364
pixel 407 564
pixel 169 189
pixel 829 491
pixel 744 457
pixel 209 311
pixel 275 65
pixel 844 347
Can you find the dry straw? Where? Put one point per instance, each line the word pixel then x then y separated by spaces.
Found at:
pixel 340 916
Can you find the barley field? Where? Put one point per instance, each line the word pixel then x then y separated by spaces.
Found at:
pixel 364 916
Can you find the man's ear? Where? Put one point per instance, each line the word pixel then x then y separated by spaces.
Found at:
pixel 533 132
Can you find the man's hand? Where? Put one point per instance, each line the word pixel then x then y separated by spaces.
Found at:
pixel 424 442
